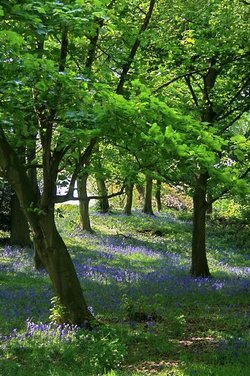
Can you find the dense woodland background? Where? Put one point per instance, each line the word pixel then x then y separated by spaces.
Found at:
pixel 141 110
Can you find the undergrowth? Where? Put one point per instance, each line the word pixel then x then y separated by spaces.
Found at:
pixel 135 275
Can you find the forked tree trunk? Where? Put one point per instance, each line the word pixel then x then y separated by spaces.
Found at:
pixel 199 266
pixel 147 208
pixel 49 244
pixel 19 232
pixel 129 199
pixel 158 195
pixel 84 202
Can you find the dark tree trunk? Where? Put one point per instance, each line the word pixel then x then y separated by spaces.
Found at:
pixel 209 205
pixel 129 199
pixel 60 268
pixel 147 208
pixel 199 259
pixel 103 205
pixel 158 195
pixel 84 202
pixel 19 232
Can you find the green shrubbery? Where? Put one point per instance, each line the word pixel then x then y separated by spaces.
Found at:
pixel 62 350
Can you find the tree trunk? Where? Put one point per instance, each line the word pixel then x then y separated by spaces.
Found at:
pixel 129 199
pixel 84 202
pixel 58 263
pixel 103 206
pixel 140 190
pixel 158 195
pixel 39 211
pixel 209 205
pixel 199 259
pixel 147 208
pixel 19 232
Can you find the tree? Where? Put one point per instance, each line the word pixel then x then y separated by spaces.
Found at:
pixel 158 195
pixel 208 65
pixel 147 208
pixel 84 201
pixel 53 110
pixel 40 88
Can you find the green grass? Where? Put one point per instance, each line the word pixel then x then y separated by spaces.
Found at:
pixel 157 319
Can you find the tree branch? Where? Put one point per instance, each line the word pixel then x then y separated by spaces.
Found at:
pixel 94 39
pixel 178 78
pixel 191 89
pixel 134 49
pixel 226 190
pixel 64 50
pixel 225 114
pixel 71 197
pixel 233 121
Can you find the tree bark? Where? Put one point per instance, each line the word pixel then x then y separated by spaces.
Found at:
pixel 84 202
pixel 129 198
pixel 158 195
pixel 60 268
pixel 199 266
pixel 209 205
pixel 19 232
pixel 147 208
pixel 141 192
pixel 103 205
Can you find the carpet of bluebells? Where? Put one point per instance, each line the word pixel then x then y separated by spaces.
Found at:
pixel 120 265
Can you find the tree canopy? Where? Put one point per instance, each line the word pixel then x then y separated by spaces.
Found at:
pixel 162 83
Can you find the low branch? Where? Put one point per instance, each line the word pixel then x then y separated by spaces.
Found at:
pixel 71 197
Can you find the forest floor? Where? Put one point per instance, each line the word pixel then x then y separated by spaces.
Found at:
pixel 135 276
